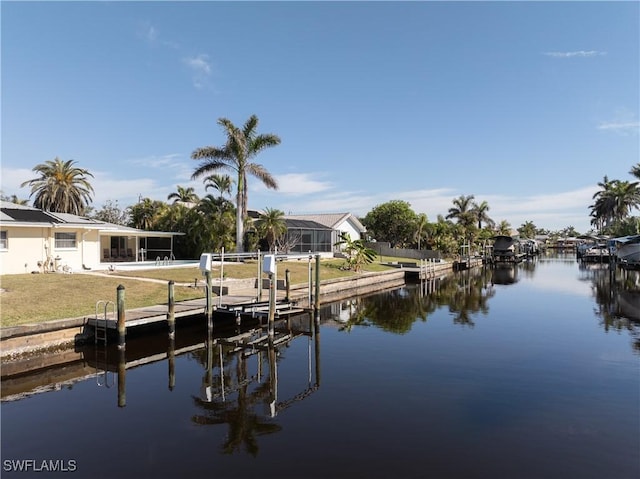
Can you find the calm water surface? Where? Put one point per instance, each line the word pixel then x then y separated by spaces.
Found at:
pixel 528 371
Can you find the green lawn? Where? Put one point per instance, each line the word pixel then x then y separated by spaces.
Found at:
pixel 28 298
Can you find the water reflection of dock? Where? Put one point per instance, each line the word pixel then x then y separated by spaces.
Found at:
pixel 108 366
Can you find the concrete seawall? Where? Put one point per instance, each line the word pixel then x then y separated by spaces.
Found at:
pixel 63 333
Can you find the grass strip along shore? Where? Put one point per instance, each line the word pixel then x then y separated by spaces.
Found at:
pixel 34 298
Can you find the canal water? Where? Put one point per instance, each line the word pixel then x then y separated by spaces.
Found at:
pixel 525 371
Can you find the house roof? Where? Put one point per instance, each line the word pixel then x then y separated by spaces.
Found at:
pixel 305 224
pixel 27 216
pixel 331 220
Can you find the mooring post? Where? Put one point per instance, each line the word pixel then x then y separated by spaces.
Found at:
pixel 221 276
pixel 171 313
pixel 272 303
pixel 122 330
pixel 207 275
pixel 259 298
pixel 310 279
pixel 287 283
pixel 317 285
pixel 122 375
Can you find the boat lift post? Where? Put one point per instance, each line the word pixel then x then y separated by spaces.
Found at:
pixel 205 267
pixel 269 266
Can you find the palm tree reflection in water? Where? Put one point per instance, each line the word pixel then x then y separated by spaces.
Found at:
pixel 464 293
pixel 617 294
pixel 233 395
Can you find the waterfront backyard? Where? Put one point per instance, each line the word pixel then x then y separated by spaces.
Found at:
pixel 28 298
pixel 522 371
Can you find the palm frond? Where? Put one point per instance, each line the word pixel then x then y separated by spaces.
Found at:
pixel 263 175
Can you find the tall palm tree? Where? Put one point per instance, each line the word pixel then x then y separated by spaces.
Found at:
pixel 421 223
pixel 242 145
pixel 464 213
pixel 462 210
pixel 60 187
pixel 527 229
pixel 625 196
pixel 146 213
pixel 602 208
pixel 272 225
pixel 635 170
pixel 221 183
pixel 481 212
pixel 614 202
pixel 183 195
pixel 504 228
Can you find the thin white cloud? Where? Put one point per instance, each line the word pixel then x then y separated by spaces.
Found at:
pixel 147 32
pixel 151 35
pixel 348 201
pixel 199 63
pixel 126 191
pixel 12 178
pixel 553 211
pixel 579 53
pixel 301 184
pixel 157 161
pixel 175 166
pixel 200 66
pixel 620 127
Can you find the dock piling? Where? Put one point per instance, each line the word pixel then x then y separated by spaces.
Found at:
pixel 310 287
pixel 122 330
pixel 171 313
pixel 272 304
pixel 259 298
pixel 317 285
pixel 208 305
pixel 287 283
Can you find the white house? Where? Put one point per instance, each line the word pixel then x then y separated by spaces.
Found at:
pixel 37 240
pixel 337 222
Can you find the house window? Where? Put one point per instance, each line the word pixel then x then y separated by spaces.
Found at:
pixel 65 240
pixel 4 244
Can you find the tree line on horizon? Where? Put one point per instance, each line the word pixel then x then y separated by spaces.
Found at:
pixel 215 221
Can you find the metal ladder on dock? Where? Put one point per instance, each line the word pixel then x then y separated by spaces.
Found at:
pixel 100 334
pixel 101 322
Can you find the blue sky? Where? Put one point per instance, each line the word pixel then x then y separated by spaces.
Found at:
pixel 524 105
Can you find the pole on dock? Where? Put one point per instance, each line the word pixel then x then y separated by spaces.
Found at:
pixel 317 285
pixel 122 376
pixel 310 288
pixel 259 298
pixel 209 306
pixel 221 277
pixel 287 283
pixel 270 267
pixel 122 330
pixel 272 303
pixel 171 313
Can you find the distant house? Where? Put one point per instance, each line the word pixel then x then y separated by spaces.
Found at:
pixel 318 233
pixel 33 239
pixel 337 223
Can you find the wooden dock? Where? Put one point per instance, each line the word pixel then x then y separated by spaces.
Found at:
pixel 235 306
